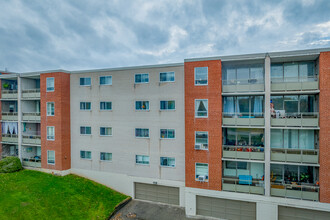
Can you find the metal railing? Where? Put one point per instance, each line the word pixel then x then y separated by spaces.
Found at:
pixel 9 113
pixel 243 81
pixel 243 148
pixel 31 136
pixel 31 162
pixel 31 113
pixel 243 152
pixel 294 155
pixel 295 190
pixel 244 186
pixel 8 91
pixel 31 91
pixel 10 135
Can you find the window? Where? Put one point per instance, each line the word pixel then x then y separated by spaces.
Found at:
pixel 50 108
pixel 243 106
pixel 201 107
pixel 50 133
pixel 142 78
pixel 201 75
pixel 293 139
pixel 51 157
pixel 167 133
pixel 167 77
pixel 243 137
pixel 167 161
pixel 142 159
pixel 287 174
pixel 293 72
pixel 142 105
pixel 50 84
pixel 167 105
pixel 85 130
pixel 294 105
pixel 85 106
pixel 202 169
pixel 201 140
pixel 85 154
pixel 105 80
pixel 105 131
pixel 142 132
pixel 105 156
pixel 85 81
pixel 105 105
pixel 242 74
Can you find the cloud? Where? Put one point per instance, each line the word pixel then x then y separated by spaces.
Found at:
pixel 86 34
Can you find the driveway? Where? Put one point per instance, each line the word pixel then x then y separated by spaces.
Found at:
pixel 141 210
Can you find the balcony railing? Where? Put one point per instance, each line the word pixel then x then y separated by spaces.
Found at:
pixel 31 162
pixel 295 155
pixel 12 138
pixel 237 185
pixel 243 152
pixel 31 139
pixel 306 119
pixel 31 93
pixel 243 119
pixel 9 116
pixel 243 85
pixel 294 83
pixel 8 94
pixel 31 116
pixel 296 191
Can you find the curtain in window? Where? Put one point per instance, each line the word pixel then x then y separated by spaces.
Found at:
pixel 201 106
pixel 276 138
pixel 257 106
pixel 306 139
pixel 291 139
pixel 229 107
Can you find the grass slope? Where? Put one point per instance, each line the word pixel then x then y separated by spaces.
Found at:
pixel 35 195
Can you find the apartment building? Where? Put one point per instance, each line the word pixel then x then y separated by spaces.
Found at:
pixel 232 137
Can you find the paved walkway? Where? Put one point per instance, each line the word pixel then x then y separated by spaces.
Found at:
pixel 140 210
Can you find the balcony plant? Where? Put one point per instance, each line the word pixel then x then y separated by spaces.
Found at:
pixel 6 85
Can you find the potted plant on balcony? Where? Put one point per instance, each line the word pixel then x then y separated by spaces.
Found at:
pixel 6 85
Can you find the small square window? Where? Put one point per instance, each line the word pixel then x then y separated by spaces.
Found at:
pixel 141 78
pixel 167 77
pixel 105 80
pixel 105 131
pixel 50 84
pixel 50 108
pixel 167 133
pixel 105 156
pixel 202 170
pixel 85 130
pixel 142 105
pixel 105 105
pixel 50 133
pixel 167 161
pixel 201 75
pixel 142 132
pixel 167 105
pixel 142 159
pixel 85 106
pixel 201 140
pixel 85 81
pixel 51 157
pixel 85 154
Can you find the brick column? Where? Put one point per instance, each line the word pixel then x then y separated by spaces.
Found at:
pixel 324 142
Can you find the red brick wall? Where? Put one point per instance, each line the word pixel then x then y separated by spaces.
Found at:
pixel 62 143
pixel 0 119
pixel 324 106
pixel 212 124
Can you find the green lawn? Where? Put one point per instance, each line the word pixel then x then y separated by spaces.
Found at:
pixel 31 194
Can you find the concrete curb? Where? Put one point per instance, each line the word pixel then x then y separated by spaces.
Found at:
pixel 119 206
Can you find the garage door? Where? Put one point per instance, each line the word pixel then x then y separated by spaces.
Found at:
pixel 157 193
pixel 289 213
pixel 225 208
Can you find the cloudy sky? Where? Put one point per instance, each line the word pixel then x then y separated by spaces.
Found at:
pixel 79 34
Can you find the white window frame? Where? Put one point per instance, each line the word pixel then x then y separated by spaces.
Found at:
pixel 48 78
pixel 160 162
pixel 142 137
pixel 85 78
pixel 166 77
pixel 104 135
pixel 50 139
pixel 207 76
pixel 106 109
pixel 105 84
pixel 143 164
pixel 208 171
pixel 85 130
pixel 143 109
pixel 207 138
pixel 85 155
pixel 207 107
pixel 141 78
pixel 160 133
pixel 105 160
pixel 160 107
pixel 50 103
pixel 90 104
pixel 48 157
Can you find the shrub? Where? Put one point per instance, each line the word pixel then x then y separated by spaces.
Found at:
pixel 10 165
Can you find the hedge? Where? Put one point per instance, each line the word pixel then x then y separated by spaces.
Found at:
pixel 10 165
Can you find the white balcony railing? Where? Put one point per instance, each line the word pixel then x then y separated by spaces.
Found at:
pixel 31 116
pixel 13 138
pixel 31 139
pixel 243 152
pixel 236 185
pixel 243 85
pixel 31 162
pixel 9 116
pixel 295 190
pixel 294 83
pixel 8 94
pixel 31 93
pixel 281 118
pixel 243 118
pixel 295 155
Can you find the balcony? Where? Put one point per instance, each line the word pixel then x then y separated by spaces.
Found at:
pixel 294 84
pixel 243 85
pixel 8 151
pixel 242 119
pixel 9 116
pixel 31 94
pixel 32 162
pixel 243 185
pixel 295 155
pixel 9 94
pixel 31 116
pixel 11 138
pixel 282 119
pixel 243 152
pixel 295 191
pixel 31 139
